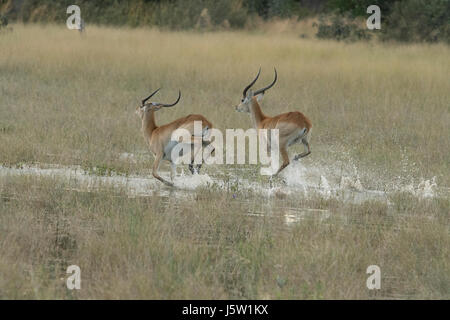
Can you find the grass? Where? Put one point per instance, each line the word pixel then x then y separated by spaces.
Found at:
pixel 66 99
pixel 166 248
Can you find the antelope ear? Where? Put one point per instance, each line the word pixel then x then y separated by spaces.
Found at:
pixel 249 93
pixel 259 97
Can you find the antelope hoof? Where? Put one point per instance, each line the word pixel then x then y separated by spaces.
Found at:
pixel 167 183
pixel 299 156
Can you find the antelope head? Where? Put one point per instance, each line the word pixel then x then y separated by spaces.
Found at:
pixel 145 106
pixel 248 94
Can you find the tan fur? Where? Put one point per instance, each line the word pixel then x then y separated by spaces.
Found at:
pixel 289 124
pixel 158 137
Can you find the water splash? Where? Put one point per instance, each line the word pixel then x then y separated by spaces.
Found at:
pixel 325 188
pixel 295 175
pixel 424 189
pixel 328 181
pixel 352 183
pixel 193 182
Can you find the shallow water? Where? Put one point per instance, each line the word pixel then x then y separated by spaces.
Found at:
pixel 296 180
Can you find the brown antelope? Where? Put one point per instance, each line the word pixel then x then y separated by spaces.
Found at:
pixel 159 137
pixel 293 126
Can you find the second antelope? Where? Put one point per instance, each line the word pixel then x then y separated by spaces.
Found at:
pixel 293 126
pixel 159 137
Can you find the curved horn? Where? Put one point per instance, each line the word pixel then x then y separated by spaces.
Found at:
pixel 251 83
pixel 143 101
pixel 171 105
pixel 269 86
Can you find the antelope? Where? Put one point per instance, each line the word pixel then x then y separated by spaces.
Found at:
pixel 293 126
pixel 159 137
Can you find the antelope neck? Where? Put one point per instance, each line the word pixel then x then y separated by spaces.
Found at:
pixel 256 113
pixel 148 122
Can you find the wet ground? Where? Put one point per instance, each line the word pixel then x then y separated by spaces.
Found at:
pixel 296 180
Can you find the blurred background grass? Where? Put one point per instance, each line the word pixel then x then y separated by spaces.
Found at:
pixel 402 20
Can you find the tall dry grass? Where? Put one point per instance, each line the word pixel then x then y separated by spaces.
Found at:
pixel 170 248
pixel 70 99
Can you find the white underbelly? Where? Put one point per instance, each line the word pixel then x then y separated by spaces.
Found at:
pixel 297 137
pixel 178 151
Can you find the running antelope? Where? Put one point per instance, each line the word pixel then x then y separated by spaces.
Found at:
pixel 159 137
pixel 293 126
